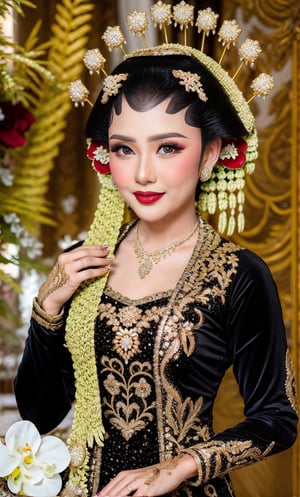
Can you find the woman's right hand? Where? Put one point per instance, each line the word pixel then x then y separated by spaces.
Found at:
pixel 70 270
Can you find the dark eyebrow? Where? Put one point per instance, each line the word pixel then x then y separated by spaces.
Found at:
pixel 122 138
pixel 161 136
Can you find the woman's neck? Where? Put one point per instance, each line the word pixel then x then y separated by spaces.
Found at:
pixel 156 235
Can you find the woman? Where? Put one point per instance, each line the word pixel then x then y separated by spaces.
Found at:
pixel 180 305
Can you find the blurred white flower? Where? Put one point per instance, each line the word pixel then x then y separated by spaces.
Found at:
pixel 8 362
pixel 34 247
pixel 11 218
pixel 31 464
pixel 10 251
pixel 26 240
pixel 68 204
pixel 17 229
pixel 6 176
pixel 66 242
pixel 36 250
pixel 14 221
pixel 82 235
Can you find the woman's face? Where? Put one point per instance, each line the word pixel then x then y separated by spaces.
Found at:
pixel 154 161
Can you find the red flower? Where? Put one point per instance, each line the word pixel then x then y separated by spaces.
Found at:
pixel 98 153
pixel 232 153
pixel 16 121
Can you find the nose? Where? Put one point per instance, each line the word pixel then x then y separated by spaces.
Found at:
pixel 145 170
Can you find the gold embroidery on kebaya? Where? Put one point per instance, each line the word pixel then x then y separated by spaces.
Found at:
pixel 127 408
pixel 112 385
pixel 95 465
pixel 187 427
pixel 52 323
pixel 142 388
pixel 174 329
pixel 127 324
pixel 216 457
pixel 215 261
pixel 210 491
pixel 128 401
pixel 126 343
pixel 183 424
pixel 128 301
pixel 290 383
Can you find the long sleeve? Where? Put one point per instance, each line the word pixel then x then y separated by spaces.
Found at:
pixel 44 385
pixel 254 343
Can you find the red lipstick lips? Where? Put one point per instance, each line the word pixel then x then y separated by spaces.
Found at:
pixel 147 197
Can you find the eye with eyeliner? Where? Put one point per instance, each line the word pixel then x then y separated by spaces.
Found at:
pixel 121 149
pixel 169 148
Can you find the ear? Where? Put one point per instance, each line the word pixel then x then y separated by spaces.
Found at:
pixel 211 154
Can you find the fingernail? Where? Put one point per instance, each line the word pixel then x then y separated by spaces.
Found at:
pixel 105 248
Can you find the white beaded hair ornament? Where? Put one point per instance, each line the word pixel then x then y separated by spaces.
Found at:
pixel 223 191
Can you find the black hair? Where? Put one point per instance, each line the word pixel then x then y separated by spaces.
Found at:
pixel 150 82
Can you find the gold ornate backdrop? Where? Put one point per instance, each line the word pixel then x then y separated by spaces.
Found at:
pixel 272 210
pixel 273 193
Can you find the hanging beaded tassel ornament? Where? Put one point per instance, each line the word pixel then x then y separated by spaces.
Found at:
pixel 223 192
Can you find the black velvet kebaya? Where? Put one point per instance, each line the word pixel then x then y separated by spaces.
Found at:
pixel 160 361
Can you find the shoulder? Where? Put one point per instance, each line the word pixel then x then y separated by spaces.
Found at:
pixel 252 264
pixel 253 283
pixel 230 258
pixel 247 260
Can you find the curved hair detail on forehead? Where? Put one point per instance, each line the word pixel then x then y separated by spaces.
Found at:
pixel 150 81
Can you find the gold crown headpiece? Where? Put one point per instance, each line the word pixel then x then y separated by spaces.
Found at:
pixel 224 189
pixel 221 191
pixel 183 16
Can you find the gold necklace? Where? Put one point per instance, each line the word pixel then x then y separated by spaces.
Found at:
pixel 148 259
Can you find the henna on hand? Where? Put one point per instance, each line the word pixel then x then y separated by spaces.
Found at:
pixel 56 279
pixel 167 465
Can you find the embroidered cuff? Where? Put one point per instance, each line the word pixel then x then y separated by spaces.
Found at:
pixel 216 457
pixel 52 323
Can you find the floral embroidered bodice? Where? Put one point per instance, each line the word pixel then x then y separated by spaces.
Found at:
pixel 124 342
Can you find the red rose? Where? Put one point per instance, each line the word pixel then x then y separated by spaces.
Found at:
pixel 98 153
pixel 232 153
pixel 16 121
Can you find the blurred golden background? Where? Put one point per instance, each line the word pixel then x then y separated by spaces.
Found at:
pixel 69 188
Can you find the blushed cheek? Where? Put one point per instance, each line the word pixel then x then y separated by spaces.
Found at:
pixel 186 168
pixel 120 175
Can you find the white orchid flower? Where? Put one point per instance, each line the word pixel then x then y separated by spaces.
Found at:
pixel 31 464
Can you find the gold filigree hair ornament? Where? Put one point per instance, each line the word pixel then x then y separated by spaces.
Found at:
pixel 111 86
pixel 191 82
pixel 223 191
